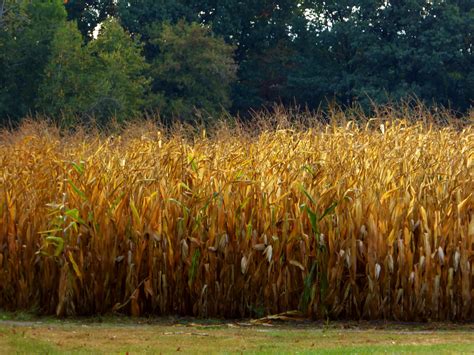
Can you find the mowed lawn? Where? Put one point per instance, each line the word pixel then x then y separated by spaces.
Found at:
pixel 117 335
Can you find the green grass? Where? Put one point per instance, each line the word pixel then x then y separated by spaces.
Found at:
pixel 12 342
pixel 23 333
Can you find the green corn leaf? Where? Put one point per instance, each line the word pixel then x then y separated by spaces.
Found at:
pixel 77 190
pixel 78 167
pixel 58 242
pixel 135 213
pixel 328 210
pixel 74 215
pixel 307 194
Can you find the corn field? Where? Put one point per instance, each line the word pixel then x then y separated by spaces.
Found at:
pixel 340 221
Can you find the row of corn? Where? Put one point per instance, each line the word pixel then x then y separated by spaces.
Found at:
pixel 346 221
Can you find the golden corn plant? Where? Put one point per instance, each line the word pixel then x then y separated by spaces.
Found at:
pixel 344 220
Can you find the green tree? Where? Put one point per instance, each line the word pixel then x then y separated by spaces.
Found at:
pixel 89 14
pixel 69 84
pixel 263 33
pixel 121 79
pixel 104 79
pixel 138 16
pixel 142 17
pixel 25 39
pixel 12 17
pixel 193 72
pixel 359 51
pixel 260 31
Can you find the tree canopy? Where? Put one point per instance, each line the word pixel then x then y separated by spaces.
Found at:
pixel 185 57
pixel 193 72
pixel 105 79
pixel 27 32
pixel 89 14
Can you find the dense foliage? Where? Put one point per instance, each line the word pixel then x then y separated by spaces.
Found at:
pixel 104 79
pixel 193 72
pixel 248 54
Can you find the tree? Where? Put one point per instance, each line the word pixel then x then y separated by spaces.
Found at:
pixel 140 17
pixel 386 51
pixel 12 17
pixel 104 79
pixel 241 54
pixel 263 33
pixel 69 84
pixel 441 51
pixel 89 14
pixel 121 79
pixel 25 40
pixel 260 31
pixel 2 11
pixel 194 70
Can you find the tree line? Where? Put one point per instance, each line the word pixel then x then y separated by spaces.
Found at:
pixel 188 59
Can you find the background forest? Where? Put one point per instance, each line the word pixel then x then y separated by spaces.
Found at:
pixel 193 59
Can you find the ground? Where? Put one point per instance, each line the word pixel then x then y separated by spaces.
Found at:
pixel 24 334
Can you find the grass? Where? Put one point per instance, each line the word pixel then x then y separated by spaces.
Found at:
pixel 113 335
